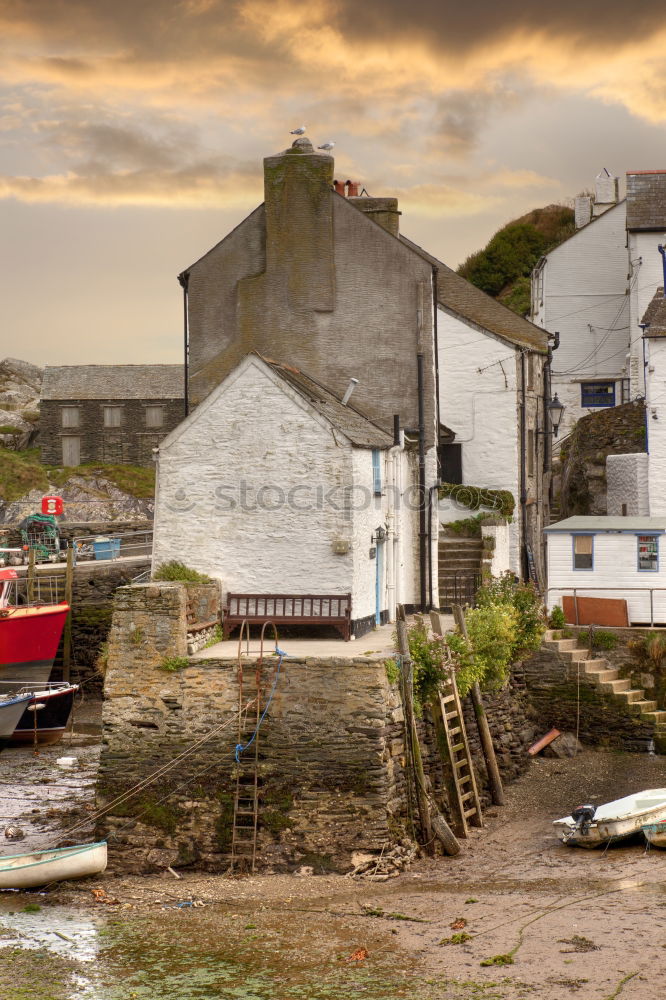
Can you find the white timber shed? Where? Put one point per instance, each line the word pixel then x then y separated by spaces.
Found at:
pixel 616 558
pixel 273 486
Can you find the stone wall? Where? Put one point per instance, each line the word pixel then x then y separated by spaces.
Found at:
pixel 617 430
pixel 329 749
pixel 627 477
pixel 559 698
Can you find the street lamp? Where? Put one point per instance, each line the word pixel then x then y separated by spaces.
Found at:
pixel 555 410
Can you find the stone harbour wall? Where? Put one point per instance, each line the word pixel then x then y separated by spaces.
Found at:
pixel 559 698
pixel 329 750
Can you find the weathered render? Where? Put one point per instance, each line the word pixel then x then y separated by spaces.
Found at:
pixel 76 426
pixel 627 488
pixel 269 487
pixel 309 280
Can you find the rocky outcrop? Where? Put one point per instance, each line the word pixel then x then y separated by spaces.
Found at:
pixel 86 499
pixel 20 384
pixel 618 430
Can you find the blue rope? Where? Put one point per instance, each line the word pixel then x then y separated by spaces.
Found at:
pixel 240 747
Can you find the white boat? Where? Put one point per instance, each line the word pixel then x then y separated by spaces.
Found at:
pixel 22 871
pixel 589 826
pixel 655 833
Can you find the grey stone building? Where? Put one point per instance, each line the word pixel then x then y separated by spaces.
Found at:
pixel 108 413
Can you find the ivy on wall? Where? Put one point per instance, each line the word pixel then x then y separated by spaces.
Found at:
pixel 475 497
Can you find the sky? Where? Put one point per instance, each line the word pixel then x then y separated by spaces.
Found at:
pixel 132 134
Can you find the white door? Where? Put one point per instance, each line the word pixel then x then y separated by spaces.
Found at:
pixel 71 451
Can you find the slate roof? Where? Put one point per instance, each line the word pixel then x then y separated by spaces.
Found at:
pixel 462 297
pixel 655 315
pixel 646 199
pixel 360 430
pixel 113 382
pixel 601 522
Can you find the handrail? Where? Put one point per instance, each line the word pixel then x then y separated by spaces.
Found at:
pixel 574 591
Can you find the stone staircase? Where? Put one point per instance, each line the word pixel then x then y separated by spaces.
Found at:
pixel 607 679
pixel 459 569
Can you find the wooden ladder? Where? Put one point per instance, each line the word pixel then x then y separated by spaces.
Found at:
pixel 246 795
pixel 465 804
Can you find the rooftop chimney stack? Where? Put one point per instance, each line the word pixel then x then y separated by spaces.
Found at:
pixel 606 192
pixel 299 225
pixel 384 211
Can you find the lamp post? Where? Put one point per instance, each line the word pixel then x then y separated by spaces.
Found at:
pixel 555 410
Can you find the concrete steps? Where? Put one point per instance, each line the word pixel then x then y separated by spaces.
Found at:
pixel 607 679
pixel 459 568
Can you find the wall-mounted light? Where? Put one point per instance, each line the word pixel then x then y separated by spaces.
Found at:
pixel 554 409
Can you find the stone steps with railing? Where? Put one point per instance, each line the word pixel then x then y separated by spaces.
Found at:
pixel 607 679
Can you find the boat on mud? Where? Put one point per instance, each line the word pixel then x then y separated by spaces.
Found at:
pixel 592 826
pixel 12 707
pixel 29 634
pixel 46 715
pixel 23 871
pixel 655 833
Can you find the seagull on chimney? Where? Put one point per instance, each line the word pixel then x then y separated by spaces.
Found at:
pixel 326 146
pixel 298 131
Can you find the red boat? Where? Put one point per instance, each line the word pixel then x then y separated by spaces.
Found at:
pixel 29 635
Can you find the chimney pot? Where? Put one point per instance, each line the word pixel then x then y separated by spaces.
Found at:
pixel 352 189
pixel 339 187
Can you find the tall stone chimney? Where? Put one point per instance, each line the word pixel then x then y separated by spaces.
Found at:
pixel 382 210
pixel 299 226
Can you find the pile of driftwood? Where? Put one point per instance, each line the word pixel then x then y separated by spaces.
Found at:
pixel 386 865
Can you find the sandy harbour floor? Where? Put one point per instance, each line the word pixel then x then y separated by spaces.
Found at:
pixel 555 922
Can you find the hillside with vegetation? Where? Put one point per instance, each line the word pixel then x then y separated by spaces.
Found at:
pixel 503 267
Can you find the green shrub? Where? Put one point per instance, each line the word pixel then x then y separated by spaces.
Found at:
pixel 428 655
pixel 492 633
pixel 648 651
pixel 173 663
pixel 215 637
pixel 392 671
pixel 600 639
pixel 179 572
pixel 473 497
pixel 10 429
pixel 557 617
pixel 526 602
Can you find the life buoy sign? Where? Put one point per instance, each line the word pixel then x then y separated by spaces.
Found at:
pixel 52 505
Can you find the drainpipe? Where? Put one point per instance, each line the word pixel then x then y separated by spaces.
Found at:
pixel 523 470
pixel 435 274
pixel 392 564
pixel 423 538
pixel 184 280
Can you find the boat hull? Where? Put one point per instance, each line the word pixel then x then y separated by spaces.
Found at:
pixel 11 711
pixel 51 720
pixel 23 871
pixel 616 820
pixel 29 639
pixel 655 833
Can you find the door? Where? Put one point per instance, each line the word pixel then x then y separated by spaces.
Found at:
pixel 71 451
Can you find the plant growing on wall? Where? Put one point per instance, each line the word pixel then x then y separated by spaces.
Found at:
pixel 648 651
pixel 525 600
pixel 179 572
pixel 557 617
pixel 474 497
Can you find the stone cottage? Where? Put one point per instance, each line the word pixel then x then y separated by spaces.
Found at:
pixel 320 278
pixel 108 413
pixel 274 485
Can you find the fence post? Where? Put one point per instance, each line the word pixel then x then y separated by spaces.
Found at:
pixel 67 636
pixel 31 576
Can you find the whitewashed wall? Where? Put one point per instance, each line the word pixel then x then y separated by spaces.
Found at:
pixel 656 423
pixel 501 560
pixel 627 483
pixel 583 285
pixel 648 275
pixel 482 408
pixel 615 567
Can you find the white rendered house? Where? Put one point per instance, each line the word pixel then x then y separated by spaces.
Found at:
pixel 273 485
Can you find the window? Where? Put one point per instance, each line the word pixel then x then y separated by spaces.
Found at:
pixel 69 416
pixel 113 416
pixel 154 416
pixel 648 552
pixel 450 461
pixel 597 394
pixel 583 551
pixel 376 473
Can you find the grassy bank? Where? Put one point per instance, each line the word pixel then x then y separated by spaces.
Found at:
pixel 21 471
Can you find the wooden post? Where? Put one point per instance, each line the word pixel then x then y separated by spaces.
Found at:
pixel 67 634
pixel 494 779
pixel 31 576
pixel 412 735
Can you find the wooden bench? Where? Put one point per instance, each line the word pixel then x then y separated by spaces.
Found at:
pixel 288 609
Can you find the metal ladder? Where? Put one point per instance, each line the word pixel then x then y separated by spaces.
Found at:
pixel 465 804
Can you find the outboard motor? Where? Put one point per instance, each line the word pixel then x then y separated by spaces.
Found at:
pixel 583 816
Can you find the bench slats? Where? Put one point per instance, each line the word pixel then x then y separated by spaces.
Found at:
pixel 296 609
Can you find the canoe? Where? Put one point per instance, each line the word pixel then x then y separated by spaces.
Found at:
pixel 612 821
pixel 655 833
pixel 22 871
